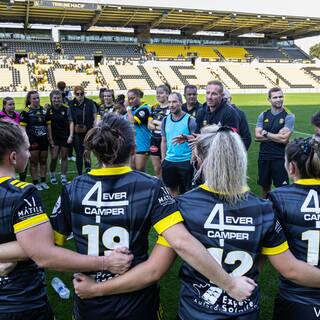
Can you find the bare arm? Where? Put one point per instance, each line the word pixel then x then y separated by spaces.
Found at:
pixel 151 125
pixel 71 129
pixel 258 135
pixel 195 254
pixel 12 251
pixel 163 147
pixel 141 276
pixel 49 128
pixel 130 115
pixel 281 137
pixel 38 243
pixel 296 270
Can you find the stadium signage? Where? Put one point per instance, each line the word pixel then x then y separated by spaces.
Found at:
pixel 65 5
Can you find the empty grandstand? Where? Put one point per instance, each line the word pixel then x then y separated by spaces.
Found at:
pixel 134 56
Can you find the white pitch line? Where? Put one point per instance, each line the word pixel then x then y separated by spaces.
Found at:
pixel 295 131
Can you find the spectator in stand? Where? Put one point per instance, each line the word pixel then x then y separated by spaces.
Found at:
pixel 244 130
pixel 35 121
pixel 138 113
pixel 192 105
pixel 273 130
pixel 159 111
pixel 82 114
pixel 60 132
pixel 315 120
pixel 8 112
pixel 216 110
pixel 177 170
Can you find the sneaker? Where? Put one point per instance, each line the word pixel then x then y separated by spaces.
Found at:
pixel 53 180
pixel 39 187
pixel 64 180
pixel 44 186
pixel 73 158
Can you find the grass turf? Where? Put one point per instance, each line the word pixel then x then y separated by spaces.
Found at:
pixel 302 105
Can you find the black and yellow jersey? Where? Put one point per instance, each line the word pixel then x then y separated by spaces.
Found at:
pixel 108 208
pixel 236 236
pixel 21 208
pixel 298 211
pixel 35 120
pixel 158 113
pixel 59 119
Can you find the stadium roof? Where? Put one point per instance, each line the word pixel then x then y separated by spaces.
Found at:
pixel 124 14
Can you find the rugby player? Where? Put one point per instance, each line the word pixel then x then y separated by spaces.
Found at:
pixel 273 130
pixel 315 120
pixel 159 111
pixel 8 112
pixel 298 211
pixel 23 218
pixel 60 128
pixel 138 113
pixel 116 206
pixel 34 120
pixel 235 228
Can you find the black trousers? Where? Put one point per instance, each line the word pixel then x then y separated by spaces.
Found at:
pixel 78 144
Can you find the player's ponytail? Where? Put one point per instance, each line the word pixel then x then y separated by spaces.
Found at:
pixel 306 155
pixel 111 141
pixel 11 138
pixel 225 165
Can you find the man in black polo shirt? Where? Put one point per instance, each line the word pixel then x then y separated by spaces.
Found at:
pixel 273 130
pixel 192 104
pixel 244 130
pixel 216 110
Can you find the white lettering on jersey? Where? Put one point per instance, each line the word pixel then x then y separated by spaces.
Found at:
pixel 30 209
pixel 236 224
pixel 317 312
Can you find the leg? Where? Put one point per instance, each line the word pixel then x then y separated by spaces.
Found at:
pixel 156 163
pixel 170 177
pixel 64 160
pixel 185 172
pixel 264 176
pixel 141 162
pixel 34 161
pixel 279 173
pixel 54 158
pixel 43 168
pixel 79 148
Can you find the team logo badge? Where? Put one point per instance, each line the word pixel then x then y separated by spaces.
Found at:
pixel 266 120
pixel 281 121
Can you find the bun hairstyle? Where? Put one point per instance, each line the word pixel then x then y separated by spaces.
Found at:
pixel 306 154
pixel 111 141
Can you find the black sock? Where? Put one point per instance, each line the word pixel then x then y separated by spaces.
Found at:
pixel 43 179
pixel 35 182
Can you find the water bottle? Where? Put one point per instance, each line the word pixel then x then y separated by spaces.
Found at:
pixel 60 288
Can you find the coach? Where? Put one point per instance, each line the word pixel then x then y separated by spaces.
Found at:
pixel 177 171
pixel 192 105
pixel 216 109
pixel 273 130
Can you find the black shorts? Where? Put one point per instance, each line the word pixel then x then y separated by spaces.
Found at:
pixel 155 146
pixel 272 171
pixel 39 143
pixel 288 310
pixel 43 313
pixel 177 174
pixel 146 153
pixel 60 140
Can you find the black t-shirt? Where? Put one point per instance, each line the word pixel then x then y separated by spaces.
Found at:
pixel 108 208
pixel 224 115
pixel 59 121
pixel 21 208
pixel 83 114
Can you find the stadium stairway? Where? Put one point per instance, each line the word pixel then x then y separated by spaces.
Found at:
pixel 217 77
pixel 267 77
pixel 117 76
pixel 219 54
pixel 16 79
pixel 182 77
pixel 147 77
pixel 310 72
pixel 242 86
pixel 288 82
pixel 51 77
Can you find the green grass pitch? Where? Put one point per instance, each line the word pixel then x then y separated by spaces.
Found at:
pixel 302 105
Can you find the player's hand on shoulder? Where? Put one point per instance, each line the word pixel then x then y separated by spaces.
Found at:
pixel 241 288
pixel 6 268
pixel 85 287
pixel 119 260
